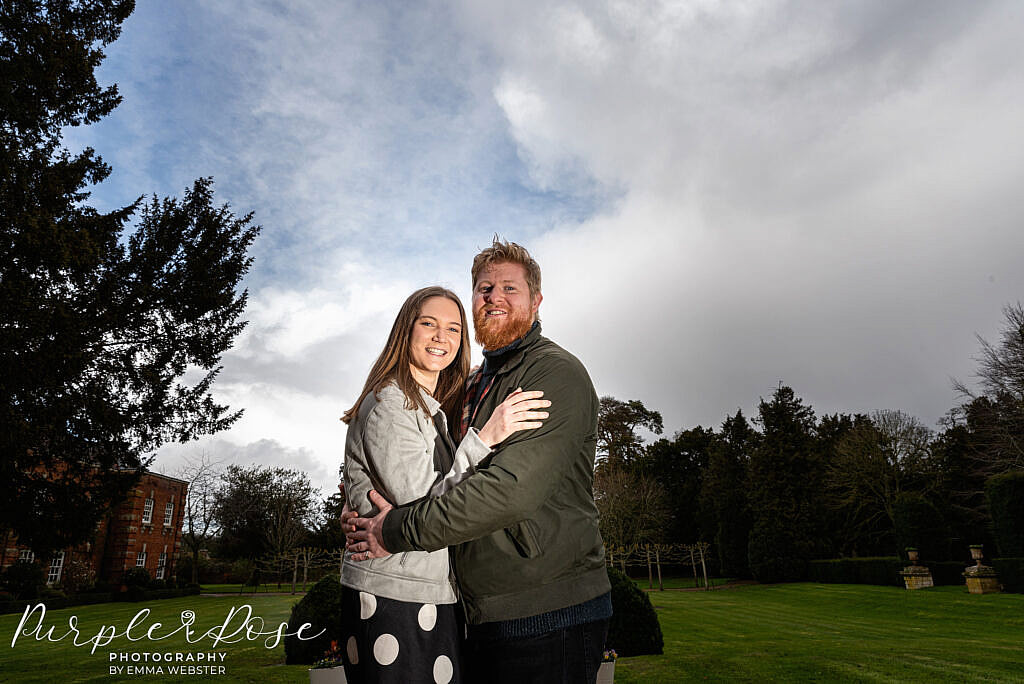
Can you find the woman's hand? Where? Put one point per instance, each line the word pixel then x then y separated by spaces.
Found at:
pixel 516 413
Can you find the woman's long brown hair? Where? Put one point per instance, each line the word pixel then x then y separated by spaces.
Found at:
pixel 393 362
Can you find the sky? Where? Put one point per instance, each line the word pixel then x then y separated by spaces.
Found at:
pixel 722 196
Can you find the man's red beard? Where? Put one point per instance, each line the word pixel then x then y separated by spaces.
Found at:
pixel 501 331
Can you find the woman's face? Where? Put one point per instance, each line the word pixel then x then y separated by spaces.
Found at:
pixel 436 336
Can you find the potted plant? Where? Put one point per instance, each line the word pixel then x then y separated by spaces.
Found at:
pixel 328 670
pixel 606 673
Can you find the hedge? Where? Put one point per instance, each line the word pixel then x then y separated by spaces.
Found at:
pixel 1011 573
pixel 1005 494
pixel 90 598
pixel 881 571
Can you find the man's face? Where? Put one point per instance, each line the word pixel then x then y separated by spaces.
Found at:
pixel 503 309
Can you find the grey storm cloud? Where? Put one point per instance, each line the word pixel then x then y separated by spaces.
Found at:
pixel 722 196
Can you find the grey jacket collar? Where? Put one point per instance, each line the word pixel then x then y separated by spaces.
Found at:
pixel 430 401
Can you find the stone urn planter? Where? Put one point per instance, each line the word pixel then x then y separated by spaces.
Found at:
pixel 916 576
pixel 981 579
pixel 327 675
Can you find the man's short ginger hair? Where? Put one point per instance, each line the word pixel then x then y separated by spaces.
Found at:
pixel 502 252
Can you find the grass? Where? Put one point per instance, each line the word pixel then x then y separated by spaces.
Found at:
pixel 844 633
pixel 247 661
pixel 249 589
pixel 679 582
pixel 796 632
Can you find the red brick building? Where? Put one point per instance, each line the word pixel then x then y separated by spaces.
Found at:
pixel 143 531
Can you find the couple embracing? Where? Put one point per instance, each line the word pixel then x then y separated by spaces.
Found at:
pixel 474 553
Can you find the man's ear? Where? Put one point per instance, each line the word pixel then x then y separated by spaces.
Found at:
pixel 535 301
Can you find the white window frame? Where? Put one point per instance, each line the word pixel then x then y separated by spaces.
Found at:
pixel 161 565
pixel 26 556
pixel 56 567
pixel 140 559
pixel 147 512
pixel 169 514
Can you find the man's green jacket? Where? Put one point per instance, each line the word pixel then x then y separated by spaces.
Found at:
pixel 524 527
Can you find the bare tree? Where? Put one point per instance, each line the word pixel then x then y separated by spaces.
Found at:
pixel 995 415
pixel 876 462
pixel 204 479
pixel 633 507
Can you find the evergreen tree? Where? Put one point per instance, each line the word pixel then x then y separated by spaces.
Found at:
pixel 678 465
pixel 617 423
pixel 783 480
pixel 725 511
pixel 98 328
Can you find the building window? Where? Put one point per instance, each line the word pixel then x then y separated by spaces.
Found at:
pixel 26 556
pixel 140 560
pixel 169 514
pixel 56 565
pixel 147 512
pixel 161 565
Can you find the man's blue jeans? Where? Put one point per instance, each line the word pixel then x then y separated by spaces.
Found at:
pixel 566 656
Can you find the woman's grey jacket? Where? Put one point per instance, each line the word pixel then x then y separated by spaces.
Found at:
pixel 391 448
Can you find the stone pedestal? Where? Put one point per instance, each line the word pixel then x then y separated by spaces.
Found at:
pixel 917 577
pixel 981 579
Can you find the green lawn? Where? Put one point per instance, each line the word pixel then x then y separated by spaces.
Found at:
pixel 828 632
pixel 247 661
pixel 249 589
pixel 799 632
pixel 678 582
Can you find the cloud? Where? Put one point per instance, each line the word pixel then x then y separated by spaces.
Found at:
pixel 722 195
pixel 818 194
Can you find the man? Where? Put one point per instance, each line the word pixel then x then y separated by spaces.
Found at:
pixel 523 529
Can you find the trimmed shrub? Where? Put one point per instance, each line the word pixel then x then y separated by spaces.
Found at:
pixel 136 577
pixel 321 608
pixel 1005 494
pixel 24 579
pixel 920 525
pixel 634 628
pixel 881 571
pixel 1011 573
pixel 947 573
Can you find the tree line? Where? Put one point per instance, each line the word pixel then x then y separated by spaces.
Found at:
pixel 776 490
pixel 256 523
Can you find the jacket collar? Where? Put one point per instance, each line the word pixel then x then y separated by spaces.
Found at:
pixel 430 401
pixel 519 352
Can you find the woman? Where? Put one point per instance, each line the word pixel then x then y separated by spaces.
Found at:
pixel 399 621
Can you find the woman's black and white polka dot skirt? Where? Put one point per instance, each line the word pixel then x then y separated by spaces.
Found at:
pixel 398 641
